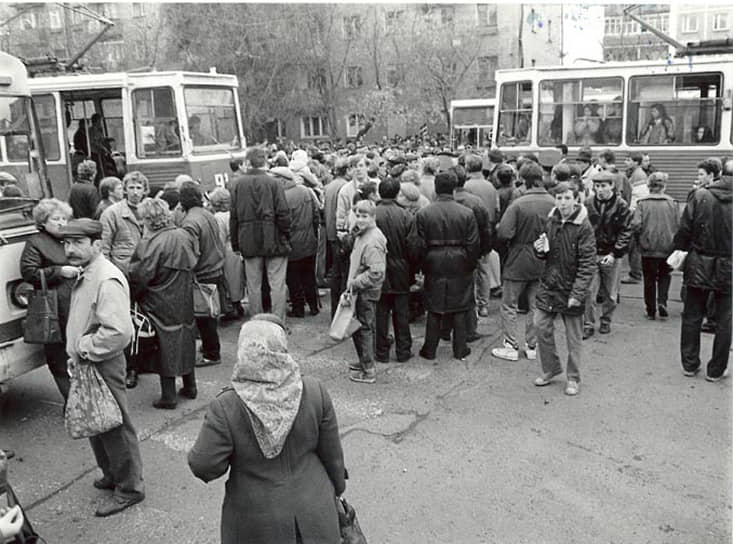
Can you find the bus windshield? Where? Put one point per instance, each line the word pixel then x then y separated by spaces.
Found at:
pixel 212 121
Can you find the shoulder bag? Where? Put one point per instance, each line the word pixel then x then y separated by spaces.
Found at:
pixel 42 318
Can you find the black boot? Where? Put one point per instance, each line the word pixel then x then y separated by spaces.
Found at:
pixel 167 400
pixel 189 386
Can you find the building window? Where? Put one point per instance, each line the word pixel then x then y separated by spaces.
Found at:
pixel 613 26
pixel 447 14
pixel 486 68
pixel 28 21
pixel 689 23
pixel 392 20
pixel 630 27
pixel 354 123
pixel 486 14
pixel 54 19
pixel 394 75
pixel 111 10
pixel 317 79
pixel 313 127
pixel 352 27
pixel 354 79
pixel 664 22
pixel 138 9
pixel 720 21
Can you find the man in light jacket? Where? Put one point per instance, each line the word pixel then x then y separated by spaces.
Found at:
pixel 98 330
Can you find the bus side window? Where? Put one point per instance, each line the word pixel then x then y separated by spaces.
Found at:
pixel 669 110
pixel 515 113
pixel 153 111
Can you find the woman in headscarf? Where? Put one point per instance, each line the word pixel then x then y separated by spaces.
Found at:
pixel 161 282
pixel 277 435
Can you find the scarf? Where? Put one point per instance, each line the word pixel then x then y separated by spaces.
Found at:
pixel 268 381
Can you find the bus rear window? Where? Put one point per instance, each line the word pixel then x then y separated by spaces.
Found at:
pixel 581 112
pixel 515 113
pixel 675 109
pixel 212 121
pixel 156 123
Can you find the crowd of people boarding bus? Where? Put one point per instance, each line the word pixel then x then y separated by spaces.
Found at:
pixel 410 232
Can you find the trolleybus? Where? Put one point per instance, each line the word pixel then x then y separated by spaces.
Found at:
pixel 160 123
pixel 22 156
pixel 471 122
pixel 677 110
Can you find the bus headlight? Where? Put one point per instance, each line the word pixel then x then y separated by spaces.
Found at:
pixel 20 294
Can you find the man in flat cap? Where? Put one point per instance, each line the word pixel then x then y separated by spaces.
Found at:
pixel 98 330
pixel 609 214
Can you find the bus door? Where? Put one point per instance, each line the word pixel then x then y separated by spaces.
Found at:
pixel 90 135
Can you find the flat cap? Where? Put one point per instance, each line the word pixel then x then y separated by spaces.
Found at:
pixel 81 228
pixel 495 155
pixel 585 155
pixel 604 176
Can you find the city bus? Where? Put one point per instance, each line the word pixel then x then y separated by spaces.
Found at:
pixel 160 123
pixel 471 123
pixel 678 111
pixel 21 156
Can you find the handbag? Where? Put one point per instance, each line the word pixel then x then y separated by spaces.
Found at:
pixel 344 323
pixel 42 318
pixel 349 527
pixel 677 259
pixel 206 300
pixel 142 327
pixel 91 409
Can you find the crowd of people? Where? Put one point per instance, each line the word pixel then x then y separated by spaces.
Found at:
pixel 407 234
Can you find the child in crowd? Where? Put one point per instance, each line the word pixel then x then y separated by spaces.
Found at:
pixel 368 263
pixel 568 247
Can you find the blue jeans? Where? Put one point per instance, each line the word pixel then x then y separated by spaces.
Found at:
pixel 545 323
pixel 365 337
pixel 512 290
pixel 605 282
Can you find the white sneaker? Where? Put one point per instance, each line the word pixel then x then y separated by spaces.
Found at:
pixel 506 352
pixel 530 353
pixel 572 388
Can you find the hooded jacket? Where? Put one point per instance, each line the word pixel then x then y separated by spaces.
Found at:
pixel 705 232
pixel 569 264
pixel 656 219
pixel 611 224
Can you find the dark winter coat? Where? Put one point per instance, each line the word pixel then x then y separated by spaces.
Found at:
pixel 260 218
pixel 611 221
pixel 207 244
pixel 161 282
pixel 656 220
pixel 84 199
pixel 304 220
pixel 476 205
pixel 44 252
pixel 451 247
pixel 522 223
pixel 570 263
pixel 266 497
pixel 398 226
pixel 705 232
pixel 621 182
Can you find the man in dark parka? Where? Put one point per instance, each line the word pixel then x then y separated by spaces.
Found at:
pixel 451 247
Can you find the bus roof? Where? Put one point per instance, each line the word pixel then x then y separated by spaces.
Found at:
pixel 671 63
pixel 13 76
pixel 472 102
pixel 81 81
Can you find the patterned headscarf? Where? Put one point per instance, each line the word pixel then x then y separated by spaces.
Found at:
pixel 268 381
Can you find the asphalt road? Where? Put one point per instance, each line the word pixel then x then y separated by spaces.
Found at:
pixel 464 452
